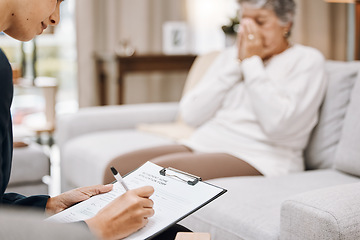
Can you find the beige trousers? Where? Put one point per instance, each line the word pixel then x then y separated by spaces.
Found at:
pixel 205 165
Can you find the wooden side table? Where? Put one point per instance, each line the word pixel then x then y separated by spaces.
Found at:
pixel 139 63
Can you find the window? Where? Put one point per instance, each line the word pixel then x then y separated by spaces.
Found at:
pixel 206 18
pixel 52 54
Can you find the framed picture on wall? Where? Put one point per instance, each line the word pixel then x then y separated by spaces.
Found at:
pixel 175 38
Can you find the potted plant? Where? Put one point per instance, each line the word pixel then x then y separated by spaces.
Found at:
pixel 230 31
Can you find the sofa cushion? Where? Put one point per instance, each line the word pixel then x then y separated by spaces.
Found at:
pixel 347 157
pixel 176 130
pixel 180 130
pixel 325 137
pixel 251 207
pixel 90 154
pixel 30 188
pixel 30 164
pixel 198 70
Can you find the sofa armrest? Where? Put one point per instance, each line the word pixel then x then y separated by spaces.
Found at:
pixel 103 118
pixel 29 224
pixel 329 213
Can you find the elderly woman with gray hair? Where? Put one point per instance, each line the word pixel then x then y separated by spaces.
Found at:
pixel 255 107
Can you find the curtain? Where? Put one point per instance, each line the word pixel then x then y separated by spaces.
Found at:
pixel 323 26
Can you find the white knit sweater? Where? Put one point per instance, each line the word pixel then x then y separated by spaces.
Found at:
pixel 260 113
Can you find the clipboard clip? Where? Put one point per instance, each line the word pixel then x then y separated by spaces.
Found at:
pixel 195 180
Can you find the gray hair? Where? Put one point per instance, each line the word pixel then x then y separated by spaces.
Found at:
pixel 284 9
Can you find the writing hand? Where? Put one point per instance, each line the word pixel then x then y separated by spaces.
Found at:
pixel 69 198
pixel 123 216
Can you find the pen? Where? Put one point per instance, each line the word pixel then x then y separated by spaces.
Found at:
pixel 119 178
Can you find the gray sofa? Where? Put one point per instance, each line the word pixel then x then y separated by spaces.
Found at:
pixel 320 203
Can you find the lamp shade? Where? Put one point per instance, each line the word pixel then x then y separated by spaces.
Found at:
pixel 340 1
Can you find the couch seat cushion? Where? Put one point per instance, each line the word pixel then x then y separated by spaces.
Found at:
pixel 31 188
pixel 251 207
pixel 85 158
pixel 29 165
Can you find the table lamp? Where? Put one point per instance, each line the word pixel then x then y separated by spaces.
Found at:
pixel 357 23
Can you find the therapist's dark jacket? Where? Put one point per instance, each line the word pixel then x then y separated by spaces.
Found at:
pixel 6 142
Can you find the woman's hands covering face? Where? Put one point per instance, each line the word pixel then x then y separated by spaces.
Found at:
pixel 249 41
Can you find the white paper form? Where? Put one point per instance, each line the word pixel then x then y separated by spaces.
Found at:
pixel 173 199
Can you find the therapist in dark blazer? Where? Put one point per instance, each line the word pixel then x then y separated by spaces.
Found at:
pixel 23 20
pixel 6 147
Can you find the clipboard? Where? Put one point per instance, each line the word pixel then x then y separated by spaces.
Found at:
pixel 184 177
pixel 177 195
pixel 195 179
